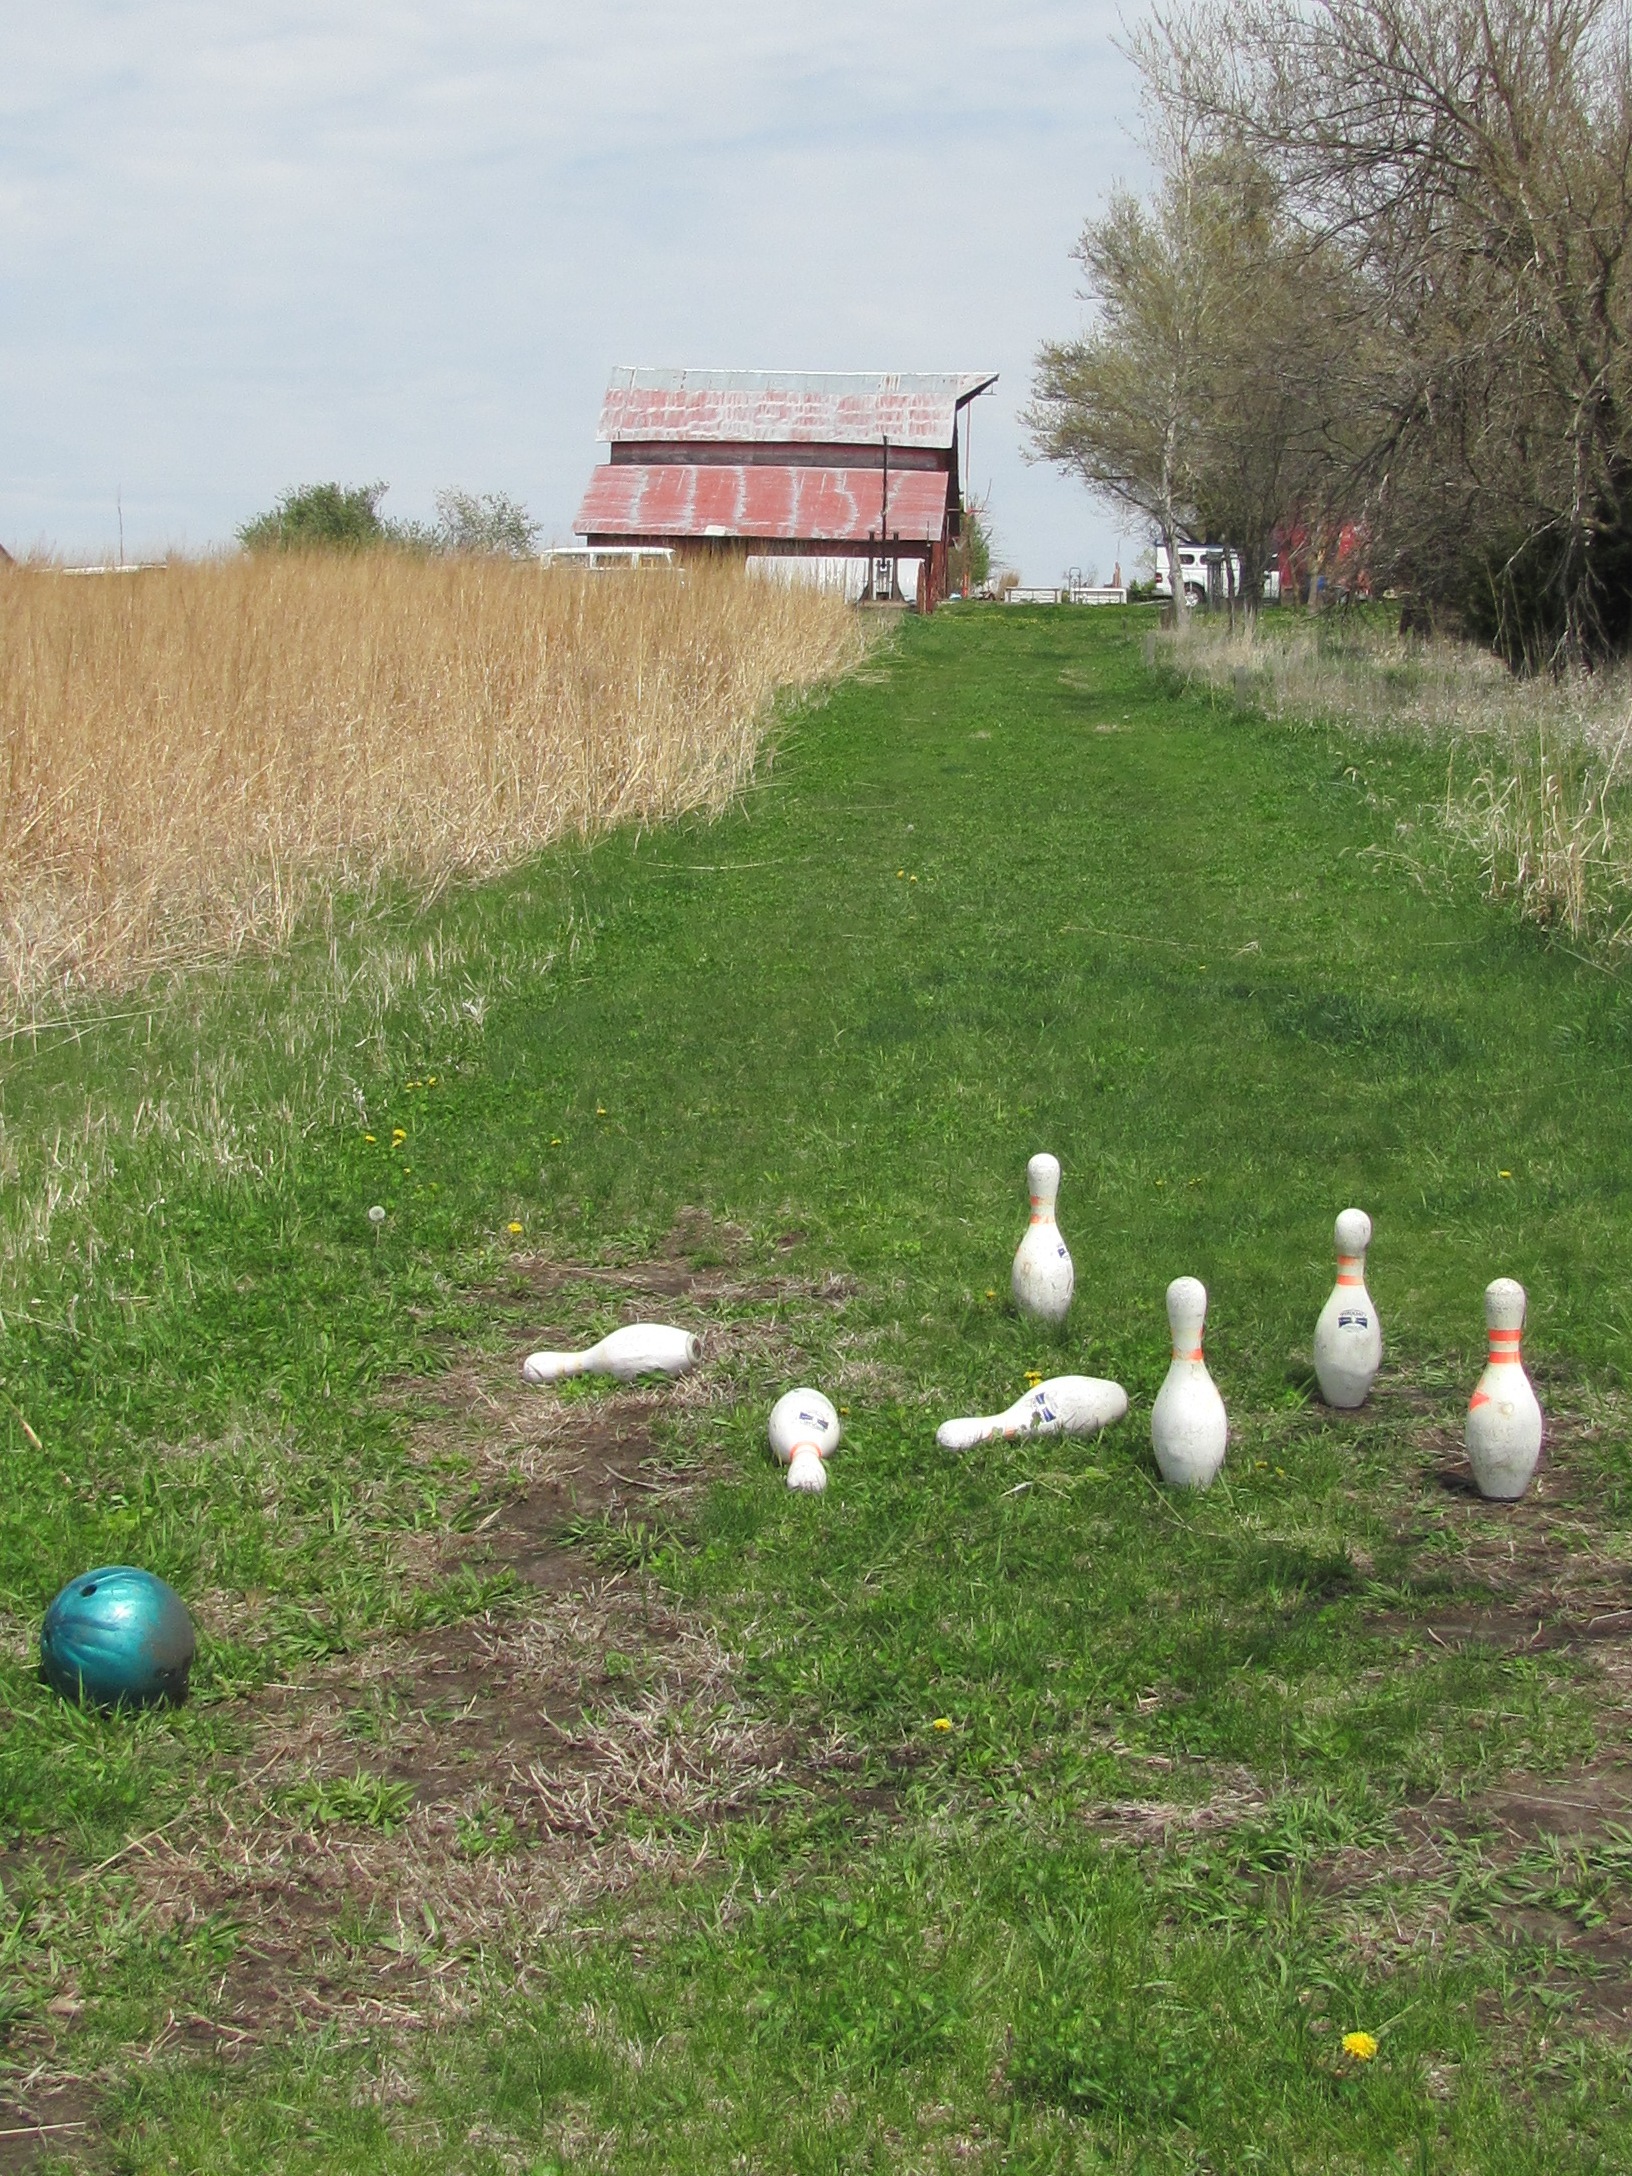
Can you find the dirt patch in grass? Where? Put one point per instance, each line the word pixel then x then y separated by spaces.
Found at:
pixel 1549 1573
pixel 416 1819
pixel 43 2116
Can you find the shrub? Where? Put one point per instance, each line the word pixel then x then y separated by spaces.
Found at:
pixel 320 517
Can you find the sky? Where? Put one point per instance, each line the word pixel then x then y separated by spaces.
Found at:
pixel 248 247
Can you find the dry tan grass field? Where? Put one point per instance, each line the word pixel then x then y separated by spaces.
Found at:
pixel 196 755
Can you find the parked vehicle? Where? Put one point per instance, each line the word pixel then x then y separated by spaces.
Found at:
pixel 1209 574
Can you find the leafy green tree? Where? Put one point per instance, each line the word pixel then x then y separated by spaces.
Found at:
pixel 971 556
pixel 320 517
pixel 1122 408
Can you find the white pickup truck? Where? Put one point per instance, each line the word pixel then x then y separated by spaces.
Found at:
pixel 1208 571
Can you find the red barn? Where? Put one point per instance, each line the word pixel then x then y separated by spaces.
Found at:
pixel 855 466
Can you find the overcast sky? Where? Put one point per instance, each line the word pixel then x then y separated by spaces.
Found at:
pixel 248 246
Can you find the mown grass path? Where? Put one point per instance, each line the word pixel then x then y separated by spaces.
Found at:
pixel 1004 891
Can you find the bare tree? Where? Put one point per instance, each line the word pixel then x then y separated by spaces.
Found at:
pixel 1472 162
pixel 1273 428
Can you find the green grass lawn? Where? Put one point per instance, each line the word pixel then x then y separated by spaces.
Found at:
pixel 1225 1778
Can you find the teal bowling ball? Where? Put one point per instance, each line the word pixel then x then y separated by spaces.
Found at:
pixel 117 1637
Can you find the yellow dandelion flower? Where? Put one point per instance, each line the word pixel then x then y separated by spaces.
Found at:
pixel 512 1227
pixel 555 1140
pixel 600 1110
pixel 399 1133
pixel 1034 1375
pixel 900 872
pixel 941 1722
pixel 912 880
pixel 368 1137
pixel 1360 2045
pixel 991 1295
pixel 431 1083
pixel 1504 1174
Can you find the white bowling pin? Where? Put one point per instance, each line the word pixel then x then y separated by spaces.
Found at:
pixel 804 1431
pixel 1066 1405
pixel 1504 1419
pixel 1348 1337
pixel 1188 1427
pixel 639 1348
pixel 1043 1278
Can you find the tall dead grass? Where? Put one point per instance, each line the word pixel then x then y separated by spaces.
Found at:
pixel 1539 771
pixel 195 756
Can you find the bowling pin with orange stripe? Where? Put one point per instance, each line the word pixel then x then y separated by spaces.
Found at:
pixel 1188 1426
pixel 1348 1337
pixel 1504 1419
pixel 1043 1279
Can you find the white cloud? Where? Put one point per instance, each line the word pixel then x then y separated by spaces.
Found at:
pixel 241 248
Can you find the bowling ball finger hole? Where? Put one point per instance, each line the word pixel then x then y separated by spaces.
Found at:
pixel 91 1589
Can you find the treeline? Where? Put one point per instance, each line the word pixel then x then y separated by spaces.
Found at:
pixel 347 517
pixel 1380 295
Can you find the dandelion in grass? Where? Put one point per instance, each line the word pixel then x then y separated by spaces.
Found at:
pixel 991 1295
pixel 376 1216
pixel 941 1722
pixel 512 1228
pixel 398 1133
pixel 555 1140
pixel 1034 1375
pixel 1504 1174
pixel 1360 2045
pixel 369 1138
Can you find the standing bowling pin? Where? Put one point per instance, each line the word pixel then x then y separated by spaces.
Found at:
pixel 1066 1405
pixel 1043 1279
pixel 1348 1337
pixel 1504 1420
pixel 639 1348
pixel 1188 1428
pixel 804 1431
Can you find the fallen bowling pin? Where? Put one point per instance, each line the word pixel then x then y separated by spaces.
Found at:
pixel 1504 1418
pixel 1188 1426
pixel 804 1432
pixel 1043 1279
pixel 1066 1405
pixel 639 1348
pixel 1348 1336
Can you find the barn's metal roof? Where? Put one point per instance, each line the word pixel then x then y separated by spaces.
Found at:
pixel 805 407
pixel 784 505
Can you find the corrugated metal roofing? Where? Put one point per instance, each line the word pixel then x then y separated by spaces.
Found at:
pixel 813 407
pixel 782 505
